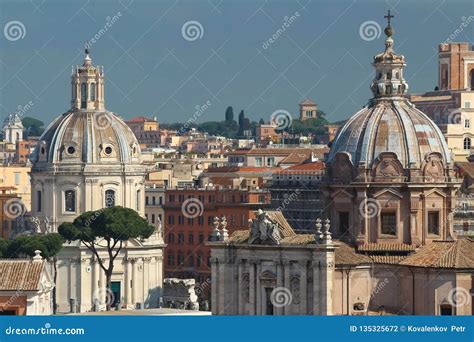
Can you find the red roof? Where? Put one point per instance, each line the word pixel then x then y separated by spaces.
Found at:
pixel 307 101
pixel 139 119
pixel 313 166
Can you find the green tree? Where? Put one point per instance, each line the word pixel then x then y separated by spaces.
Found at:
pixel 106 228
pixel 3 247
pixel 48 244
pixel 33 127
pixel 229 114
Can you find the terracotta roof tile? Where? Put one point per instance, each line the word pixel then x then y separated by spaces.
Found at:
pixel 444 254
pixel 385 247
pixel 346 255
pixel 21 275
pixel 387 259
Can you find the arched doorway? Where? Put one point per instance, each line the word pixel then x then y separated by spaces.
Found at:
pixel 471 78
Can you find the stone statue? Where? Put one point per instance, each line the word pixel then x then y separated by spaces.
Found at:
pixel 264 230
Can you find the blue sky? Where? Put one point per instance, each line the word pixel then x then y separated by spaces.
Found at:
pixel 152 70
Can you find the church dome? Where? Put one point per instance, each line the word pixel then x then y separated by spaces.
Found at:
pixel 87 133
pixel 390 123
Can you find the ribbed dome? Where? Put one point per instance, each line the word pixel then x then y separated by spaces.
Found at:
pixel 88 137
pixel 390 123
pixel 390 126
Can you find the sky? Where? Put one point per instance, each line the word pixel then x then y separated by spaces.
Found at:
pixel 182 59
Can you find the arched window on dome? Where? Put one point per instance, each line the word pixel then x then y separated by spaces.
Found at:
pixel 70 201
pixel 109 198
pixel 83 95
pixel 467 143
pixel 93 90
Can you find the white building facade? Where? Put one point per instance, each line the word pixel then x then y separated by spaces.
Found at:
pixel 86 160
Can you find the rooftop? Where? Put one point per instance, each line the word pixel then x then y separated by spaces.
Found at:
pixel 20 275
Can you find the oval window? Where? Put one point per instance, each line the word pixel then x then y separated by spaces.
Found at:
pixel 108 150
pixel 71 150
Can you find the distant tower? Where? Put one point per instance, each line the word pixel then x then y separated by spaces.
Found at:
pixel 456 66
pixel 308 110
pixel 12 129
pixel 87 86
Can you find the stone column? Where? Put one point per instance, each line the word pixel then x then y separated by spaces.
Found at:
pixel 134 281
pixel 240 296
pixel 316 285
pixel 252 286
pixel 279 283
pixel 146 279
pixel 287 284
pixel 128 277
pixel 303 283
pixel 223 281
pixel 259 288
pixel 215 293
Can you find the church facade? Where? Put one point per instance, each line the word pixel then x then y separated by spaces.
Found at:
pixel 88 159
pixel 387 245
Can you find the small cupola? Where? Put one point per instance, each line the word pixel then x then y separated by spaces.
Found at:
pixel 389 81
pixel 87 83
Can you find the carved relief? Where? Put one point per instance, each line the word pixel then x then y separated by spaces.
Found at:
pixel 387 168
pixel 295 289
pixel 433 168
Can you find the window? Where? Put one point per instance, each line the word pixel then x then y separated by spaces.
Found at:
pixel 17 178
pixel 389 223
pixel 467 105
pixel 181 238
pixel 160 201
pixel 139 200
pixel 201 220
pixel 92 91
pixel 70 201
pixel 258 161
pixel 433 222
pixel 109 198
pixel 467 143
pixel 191 261
pixel 83 95
pixel 146 200
pixel 170 219
pixel 201 238
pixel 191 239
pixel 38 201
pixel 153 218
pixel 170 238
pixel 180 259
pixel 467 123
pixel 170 259
pixel 446 310
pixel 180 219
pixel 153 200
pixel 209 220
pixel 343 224
pixel 190 221
pixel 199 260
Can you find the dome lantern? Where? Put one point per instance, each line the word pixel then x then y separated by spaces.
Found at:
pixel 87 83
pixel 389 81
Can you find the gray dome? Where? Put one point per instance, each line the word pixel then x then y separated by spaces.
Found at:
pixel 88 137
pixel 390 126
